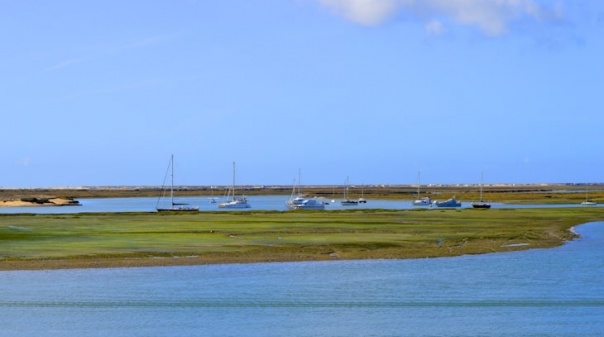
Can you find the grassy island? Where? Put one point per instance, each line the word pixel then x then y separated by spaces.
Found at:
pixel 96 240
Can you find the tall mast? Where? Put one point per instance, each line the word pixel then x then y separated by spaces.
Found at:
pixel 299 182
pixel 233 180
pixel 419 182
pixel 481 186
pixel 172 180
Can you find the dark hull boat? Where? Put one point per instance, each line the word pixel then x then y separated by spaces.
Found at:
pixel 481 203
pixel 174 206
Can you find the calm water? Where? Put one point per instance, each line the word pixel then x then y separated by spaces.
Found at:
pixel 269 202
pixel 554 292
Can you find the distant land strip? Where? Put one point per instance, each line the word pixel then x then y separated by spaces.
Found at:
pixel 507 193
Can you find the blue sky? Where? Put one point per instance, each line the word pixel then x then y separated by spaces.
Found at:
pixel 103 92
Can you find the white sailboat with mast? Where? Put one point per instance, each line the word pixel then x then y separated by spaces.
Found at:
pixel 421 201
pixel 300 201
pixel 174 206
pixel 588 202
pixel 346 201
pixel 481 203
pixel 235 202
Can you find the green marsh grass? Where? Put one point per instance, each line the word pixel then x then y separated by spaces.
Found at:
pixel 147 239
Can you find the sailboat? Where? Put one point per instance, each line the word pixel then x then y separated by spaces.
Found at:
pixel 421 201
pixel 345 201
pixel 481 203
pixel 174 207
pixel 362 199
pixel 299 201
pixel 235 202
pixel 588 202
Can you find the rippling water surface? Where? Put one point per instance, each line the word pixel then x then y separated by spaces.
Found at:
pixel 554 292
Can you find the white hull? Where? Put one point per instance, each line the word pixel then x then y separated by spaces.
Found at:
pixel 304 203
pixel 424 202
pixel 299 201
pixel 237 203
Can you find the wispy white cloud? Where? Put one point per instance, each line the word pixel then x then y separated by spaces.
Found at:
pixel 434 27
pixel 367 12
pixel 26 161
pixel 63 64
pixel 98 52
pixel 492 17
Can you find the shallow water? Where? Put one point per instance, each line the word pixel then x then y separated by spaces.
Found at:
pixel 553 292
pixel 266 202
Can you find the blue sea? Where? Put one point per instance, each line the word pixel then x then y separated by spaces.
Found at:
pixel 542 292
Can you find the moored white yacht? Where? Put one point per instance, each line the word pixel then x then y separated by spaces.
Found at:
pixel 235 201
pixel 346 201
pixel 421 201
pixel 299 201
pixel 588 202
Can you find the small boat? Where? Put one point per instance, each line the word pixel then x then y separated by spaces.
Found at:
pixel 588 202
pixel 362 200
pixel 299 201
pixel 235 201
pixel 174 206
pixel 349 202
pixel 421 201
pixel 448 203
pixel 481 203
pixel 346 201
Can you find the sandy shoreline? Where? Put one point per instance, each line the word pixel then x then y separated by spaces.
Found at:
pixel 39 202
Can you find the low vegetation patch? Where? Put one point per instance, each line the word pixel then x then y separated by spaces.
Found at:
pixel 152 239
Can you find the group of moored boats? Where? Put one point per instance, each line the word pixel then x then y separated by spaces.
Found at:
pixel 453 203
pixel 233 201
pixel 449 203
pixel 299 201
pixel 428 202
